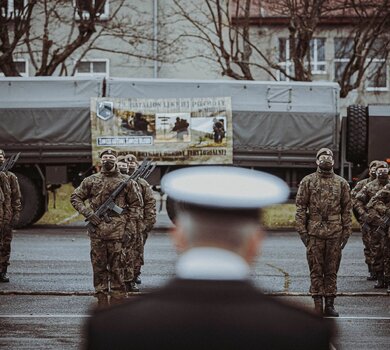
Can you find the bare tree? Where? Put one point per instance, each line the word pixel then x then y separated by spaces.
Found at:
pixel 14 24
pixel 228 28
pixel 57 31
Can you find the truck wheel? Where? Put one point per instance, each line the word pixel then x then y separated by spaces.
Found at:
pixel 41 211
pixel 171 209
pixel 31 201
pixel 357 125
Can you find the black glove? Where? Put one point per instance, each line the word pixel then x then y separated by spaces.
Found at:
pixel 94 219
pixel 305 238
pixel 343 241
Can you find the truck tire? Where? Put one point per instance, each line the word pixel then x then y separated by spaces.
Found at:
pixel 31 201
pixel 171 209
pixel 357 125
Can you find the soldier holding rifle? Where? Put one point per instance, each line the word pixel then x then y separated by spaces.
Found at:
pixel 365 231
pixel 11 210
pixel 108 193
pixel 144 225
pixel 379 206
pixel 369 220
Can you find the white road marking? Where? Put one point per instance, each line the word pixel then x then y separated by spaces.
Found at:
pixel 46 316
pixel 87 315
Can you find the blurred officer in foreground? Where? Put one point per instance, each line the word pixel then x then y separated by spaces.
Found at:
pixel 365 231
pixel 12 209
pixel 369 219
pixel 147 221
pixel 211 304
pixel 107 237
pixel 324 223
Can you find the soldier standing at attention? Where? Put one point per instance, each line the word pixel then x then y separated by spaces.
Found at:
pixel 12 208
pixel 365 232
pixel 3 277
pixel 134 217
pixel 148 215
pixel 370 217
pixel 323 219
pixel 106 240
pixel 380 204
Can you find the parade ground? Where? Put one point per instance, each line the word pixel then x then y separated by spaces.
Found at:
pixel 50 293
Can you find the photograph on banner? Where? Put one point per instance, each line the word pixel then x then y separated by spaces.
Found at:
pixel 169 131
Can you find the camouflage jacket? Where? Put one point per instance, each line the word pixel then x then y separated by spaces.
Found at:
pixel 143 219
pixel 149 210
pixel 1 206
pixel 358 187
pixel 16 196
pixel 96 189
pixel 364 196
pixel 379 204
pixel 323 206
pixel 6 209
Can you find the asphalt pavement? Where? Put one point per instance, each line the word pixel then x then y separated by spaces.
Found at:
pixel 49 297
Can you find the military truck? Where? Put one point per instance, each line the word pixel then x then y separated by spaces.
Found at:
pixel 277 127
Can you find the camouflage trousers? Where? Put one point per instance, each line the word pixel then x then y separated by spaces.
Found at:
pixel 381 253
pixel 107 260
pixel 323 256
pixel 5 246
pixel 139 253
pixel 129 253
pixel 368 254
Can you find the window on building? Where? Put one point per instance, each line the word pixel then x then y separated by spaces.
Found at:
pixel 284 59
pixel 21 67
pixel 376 74
pixel 12 8
pixel 317 57
pixel 98 67
pixel 84 8
pixel 343 48
pixel 377 70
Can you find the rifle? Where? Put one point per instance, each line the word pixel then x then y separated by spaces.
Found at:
pixel 109 204
pixel 148 171
pixel 10 162
pixel 384 226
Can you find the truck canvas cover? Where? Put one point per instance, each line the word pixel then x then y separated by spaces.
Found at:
pixel 47 118
pixel 274 123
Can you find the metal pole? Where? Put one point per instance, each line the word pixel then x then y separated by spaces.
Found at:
pixel 155 46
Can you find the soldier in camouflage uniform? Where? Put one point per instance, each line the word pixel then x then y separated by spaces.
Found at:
pixel 380 204
pixel 372 211
pixel 133 221
pixel 12 208
pixel 107 241
pixel 323 219
pixel 365 232
pixel 149 219
pixel 3 277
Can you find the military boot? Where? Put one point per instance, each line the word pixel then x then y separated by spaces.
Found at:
pixel 138 280
pixel 102 300
pixel 387 283
pixel 381 281
pixel 3 276
pixel 372 275
pixel 318 305
pixel 131 287
pixel 114 300
pixel 329 307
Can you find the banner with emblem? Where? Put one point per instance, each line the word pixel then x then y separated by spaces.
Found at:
pixel 169 131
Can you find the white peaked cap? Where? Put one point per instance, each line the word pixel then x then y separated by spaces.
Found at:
pixel 224 187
